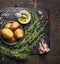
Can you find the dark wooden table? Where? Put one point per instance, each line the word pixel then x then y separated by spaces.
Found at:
pixel 54 6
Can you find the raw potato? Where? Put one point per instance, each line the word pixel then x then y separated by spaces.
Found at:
pixel 12 40
pixel 7 33
pixel 8 25
pixel 12 32
pixel 15 25
pixel 18 33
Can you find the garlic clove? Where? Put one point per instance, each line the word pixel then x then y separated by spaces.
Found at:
pixel 47 50
pixel 18 15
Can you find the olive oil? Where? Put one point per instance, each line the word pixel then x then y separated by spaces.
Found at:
pixel 23 18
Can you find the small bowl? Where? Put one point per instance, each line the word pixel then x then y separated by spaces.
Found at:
pixel 23 12
pixel 4 40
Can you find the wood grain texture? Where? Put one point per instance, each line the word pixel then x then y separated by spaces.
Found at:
pixel 54 6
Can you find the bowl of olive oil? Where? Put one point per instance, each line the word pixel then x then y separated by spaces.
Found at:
pixel 23 16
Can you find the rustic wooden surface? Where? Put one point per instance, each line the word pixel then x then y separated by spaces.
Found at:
pixel 54 6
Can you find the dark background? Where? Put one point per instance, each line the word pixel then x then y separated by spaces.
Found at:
pixel 54 6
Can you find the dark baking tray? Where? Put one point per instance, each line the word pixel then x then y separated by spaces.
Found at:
pixel 9 15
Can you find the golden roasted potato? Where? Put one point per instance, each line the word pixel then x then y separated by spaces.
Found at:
pixel 8 25
pixel 7 33
pixel 18 33
pixel 15 25
pixel 12 40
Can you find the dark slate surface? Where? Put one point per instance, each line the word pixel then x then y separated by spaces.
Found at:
pixel 9 15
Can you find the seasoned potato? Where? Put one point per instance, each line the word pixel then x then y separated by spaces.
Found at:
pixel 13 40
pixel 8 25
pixel 18 33
pixel 7 33
pixel 14 25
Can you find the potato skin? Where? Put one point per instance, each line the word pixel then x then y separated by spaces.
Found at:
pixel 18 33
pixel 7 33
pixel 8 25
pixel 12 40
pixel 15 25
